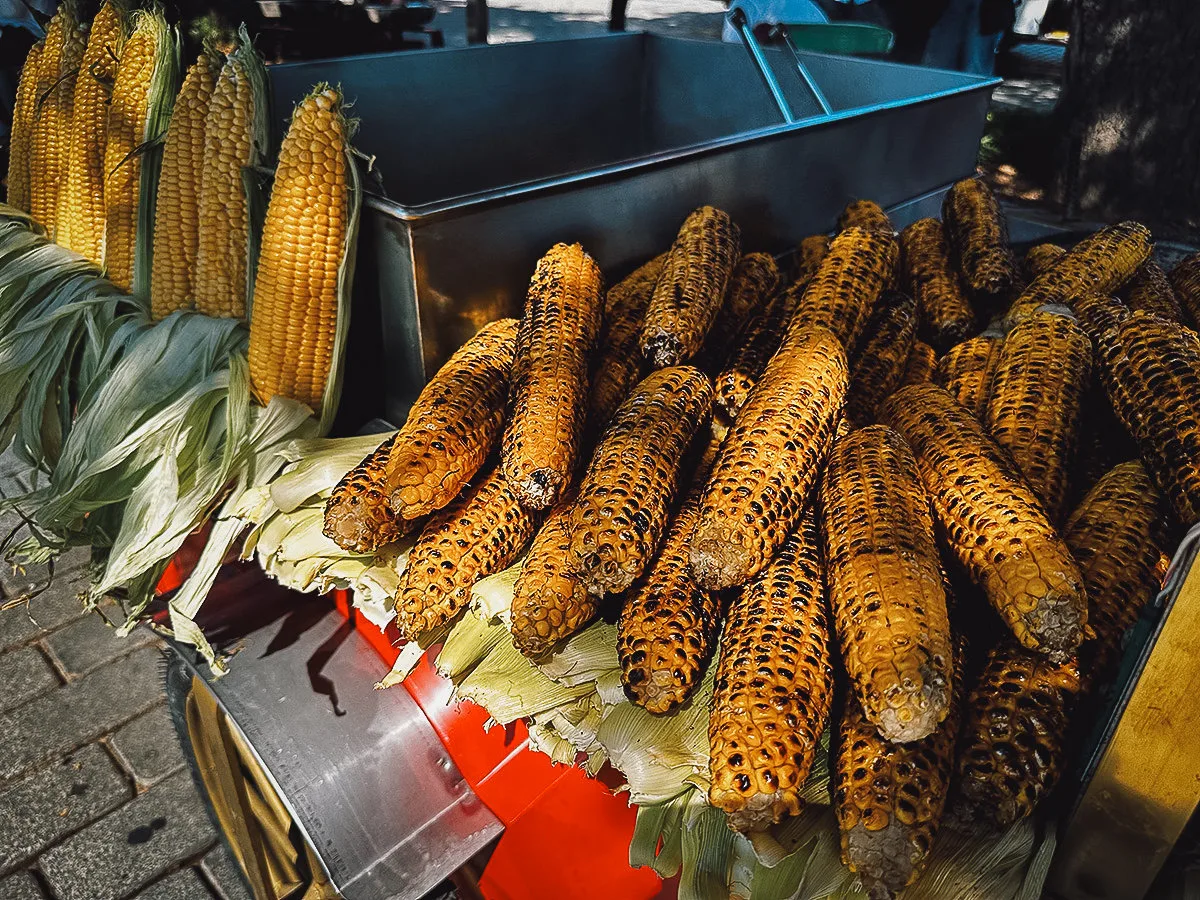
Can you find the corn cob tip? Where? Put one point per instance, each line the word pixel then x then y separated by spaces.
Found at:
pixel 662 349
pixel 884 861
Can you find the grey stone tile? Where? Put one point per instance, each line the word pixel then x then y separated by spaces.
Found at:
pixel 132 847
pixel 24 673
pixel 22 886
pixel 90 642
pixel 185 884
pixel 69 566
pixel 148 747
pixel 57 800
pixel 222 870
pixel 78 713
pixel 59 604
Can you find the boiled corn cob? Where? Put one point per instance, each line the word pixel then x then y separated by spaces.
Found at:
pixel 454 424
pixel 864 214
pixel 563 309
pixel 625 499
pixel 1185 280
pixel 769 460
pixel 978 234
pixel 358 516
pixel 992 520
pixel 176 214
pixel 1041 258
pixel 751 287
pixel 882 355
pixel 691 288
pixel 889 797
pixel 84 191
pixel 920 365
pixel 945 312
pixel 75 38
pixel 1150 290
pixel 617 366
pixel 20 141
pixel 480 533
pixel 58 65
pixel 808 256
pixel 306 238
pixel 885 583
pixel 967 370
pixel 841 295
pixel 773 687
pixel 1045 368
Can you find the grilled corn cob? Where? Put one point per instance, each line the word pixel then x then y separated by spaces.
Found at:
pixel 1041 258
pixel 1151 290
pixel 992 521
pixel 751 288
pixel 480 533
pixel 358 516
pixel 454 424
pixel 808 256
pixel 691 287
pixel 769 460
pixel 305 239
pixel 84 190
pixel 841 295
pixel 1185 280
pixel 865 214
pixel 945 312
pixel 562 317
pixel 889 797
pixel 20 141
pixel 882 355
pixel 621 516
pixel 1045 368
pixel 618 359
pixel 58 64
pixel 176 214
pixel 978 234
pixel 1098 312
pixel 885 583
pixel 773 687
pixel 967 370
pixel 920 365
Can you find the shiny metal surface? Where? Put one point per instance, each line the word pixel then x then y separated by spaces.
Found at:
pixel 738 20
pixel 789 45
pixel 361 771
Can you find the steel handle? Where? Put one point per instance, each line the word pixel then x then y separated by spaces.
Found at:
pixel 738 20
pixel 805 75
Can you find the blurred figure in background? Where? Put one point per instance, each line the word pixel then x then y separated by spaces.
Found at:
pixel 967 35
pixel 1029 18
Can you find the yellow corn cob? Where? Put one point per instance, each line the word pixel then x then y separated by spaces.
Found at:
pixel 885 583
pixel 920 365
pixel 84 190
pixel 303 242
pixel 479 534
pixel 1151 290
pixel 454 424
pixel 944 310
pixel 769 460
pixel 20 142
pixel 751 287
pixel 617 366
pixel 882 355
pixel 808 256
pixel 177 216
pixel 1185 280
pixel 773 687
pixel 840 297
pixel 992 521
pixel 61 106
pixel 1041 258
pixel 866 214
pixel 978 234
pixel 48 131
pixel 889 797
pixel 1099 264
pixel 358 516
pixel 621 516
pixel 691 287
pixel 1045 368
pixel 967 370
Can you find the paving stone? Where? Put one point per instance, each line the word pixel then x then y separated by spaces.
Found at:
pixel 53 802
pixel 70 566
pixel 222 870
pixel 132 847
pixel 52 608
pixel 148 747
pixel 183 885
pixel 24 673
pixel 78 713
pixel 22 886
pixel 90 642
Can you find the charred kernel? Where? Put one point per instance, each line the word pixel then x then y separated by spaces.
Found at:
pixel 866 214
pixel 1099 312
pixel 967 370
pixel 358 516
pixel 881 356
pixel 921 362
pixel 751 287
pixel 808 256
pixel 1040 258
pixel 1185 281
pixel 945 313
pixel 1150 290
pixel 978 235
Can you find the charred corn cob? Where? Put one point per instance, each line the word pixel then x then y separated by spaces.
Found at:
pixel 304 243
pixel 978 234
pixel 1098 312
pixel 176 214
pixel 621 516
pixel 550 376
pixel 751 287
pixel 889 797
pixel 967 370
pixel 480 533
pixel 882 355
pixel 1041 258
pixel 1150 290
pixel 769 460
pixel 58 65
pixel 773 687
pixel 691 287
pixel 1044 370
pixel 865 214
pixel 358 516
pixel 945 312
pixel 840 297
pixel 920 365
pixel 618 359
pixel 992 520
pixel 808 256
pixel 1185 280
pixel 455 423
pixel 20 141
pixel 84 190
pixel 885 583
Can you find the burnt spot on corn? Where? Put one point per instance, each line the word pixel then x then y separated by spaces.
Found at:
pixel 751 287
pixel 1150 290
pixel 865 214
pixel 881 355
pixel 920 365
pixel 978 235
pixel 967 370
pixel 945 313
pixel 807 257
pixel 358 515
pixel 1098 313
pixel 1040 258
pixel 1185 281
